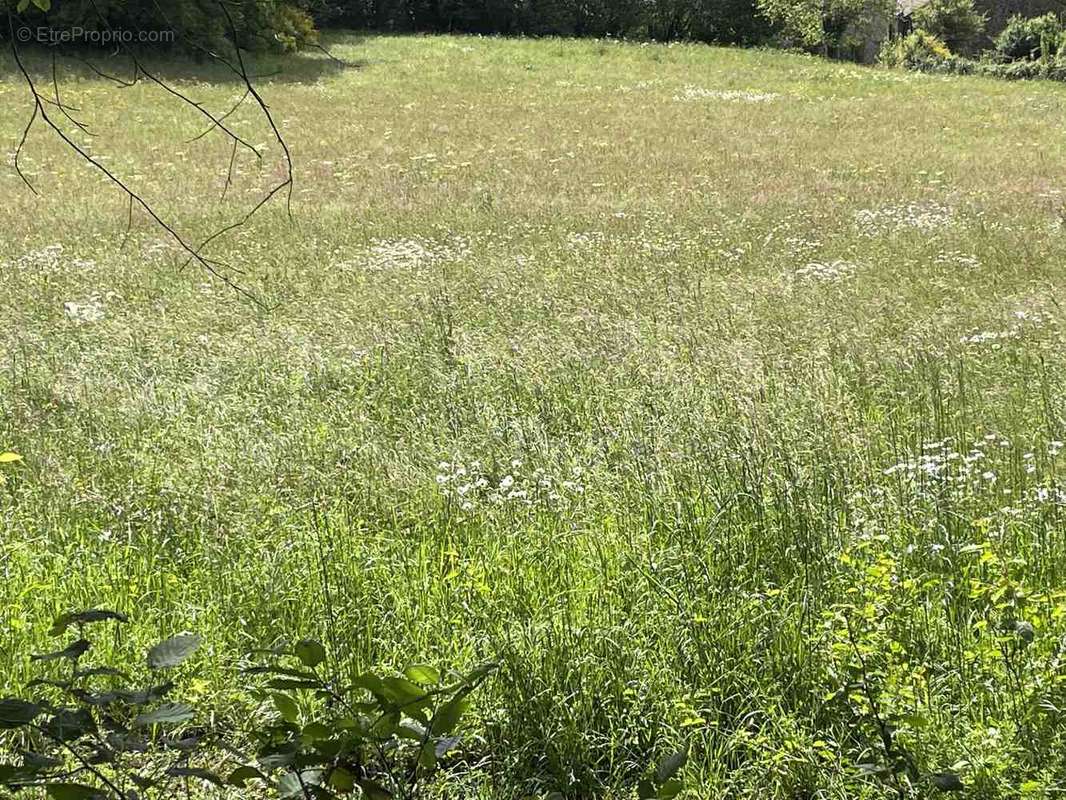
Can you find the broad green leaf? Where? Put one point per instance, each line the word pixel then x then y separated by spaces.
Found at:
pixel 69 724
pixel 948 782
pixel 423 674
pixel 277 756
pixel 316 731
pixel 173 651
pixel 61 624
pixel 40 761
pixel 44 5
pixel 448 715
pixel 373 790
pixel 242 775
pixel 72 651
pixel 672 788
pixel 292 785
pixel 289 683
pixel 341 780
pixel 403 692
pixel 427 756
pixel 73 791
pixel 670 765
pixel 287 707
pixel 446 745
pixel 310 652
pixel 14 713
pixel 166 714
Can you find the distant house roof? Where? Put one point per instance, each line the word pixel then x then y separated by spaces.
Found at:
pixel 908 7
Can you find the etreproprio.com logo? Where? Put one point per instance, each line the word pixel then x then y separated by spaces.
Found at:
pixel 76 35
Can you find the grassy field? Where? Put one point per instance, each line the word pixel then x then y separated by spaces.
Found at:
pixel 718 394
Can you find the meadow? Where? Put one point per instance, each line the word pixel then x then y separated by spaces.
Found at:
pixel 718 395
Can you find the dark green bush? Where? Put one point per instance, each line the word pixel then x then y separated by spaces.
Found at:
pixel 955 22
pixel 1030 39
pixel 195 24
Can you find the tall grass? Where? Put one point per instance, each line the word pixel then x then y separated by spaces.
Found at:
pixel 717 394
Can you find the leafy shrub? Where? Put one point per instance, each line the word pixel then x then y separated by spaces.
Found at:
pixel 292 27
pixel 196 24
pixel 955 22
pixel 1030 39
pixel 918 50
pixel 102 733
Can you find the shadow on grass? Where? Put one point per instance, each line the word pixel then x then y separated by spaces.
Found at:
pixel 175 66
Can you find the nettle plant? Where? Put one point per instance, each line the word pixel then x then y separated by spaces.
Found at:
pixel 380 735
pixel 96 733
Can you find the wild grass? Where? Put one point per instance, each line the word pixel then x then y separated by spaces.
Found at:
pixel 718 394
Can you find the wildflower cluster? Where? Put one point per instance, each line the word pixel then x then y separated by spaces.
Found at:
pixel 832 272
pixel 922 217
pixel 409 254
pixel 691 93
pixel 472 486
pixel 1023 321
pixel 89 310
pixel 48 259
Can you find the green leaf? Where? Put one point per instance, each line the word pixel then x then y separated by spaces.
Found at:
pixel 195 772
pixel 445 746
pixel 479 673
pixel 374 791
pixel 670 765
pixel 289 683
pixel 61 624
pixel 174 651
pixel 9 457
pixel 69 724
pixel 277 756
pixel 403 692
pixel 72 651
pixel 44 5
pixel 40 761
pixel 427 756
pixel 240 776
pixel 342 780
pixel 310 652
pixel 448 715
pixel 14 713
pixel 22 6
pixel 1024 631
pixel 73 791
pixel 166 714
pixel 672 788
pixel 287 707
pixel 292 785
pixel 948 782
pixel 372 683
pixel 316 731
pixel 422 674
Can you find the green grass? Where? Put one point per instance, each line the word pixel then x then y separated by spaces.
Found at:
pixel 582 257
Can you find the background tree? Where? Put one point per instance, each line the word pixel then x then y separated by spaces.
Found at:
pixel 955 22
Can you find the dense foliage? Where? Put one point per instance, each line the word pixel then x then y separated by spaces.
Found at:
pixel 1030 39
pixel 734 21
pixel 956 22
pixel 195 24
